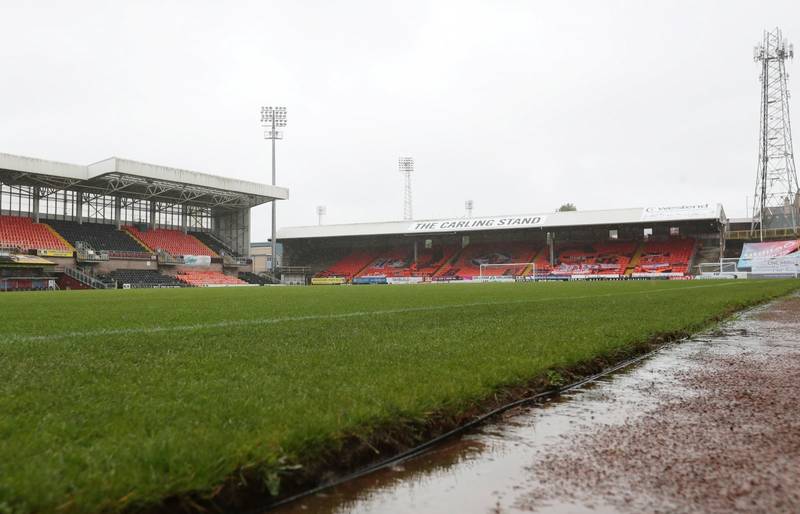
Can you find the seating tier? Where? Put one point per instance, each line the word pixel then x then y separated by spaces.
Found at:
pixel 348 266
pixel 468 264
pixel 172 241
pixel 101 237
pixel 144 278
pixel 209 278
pixel 670 256
pixel 23 233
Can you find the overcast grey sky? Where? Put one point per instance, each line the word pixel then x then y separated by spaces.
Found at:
pixel 518 105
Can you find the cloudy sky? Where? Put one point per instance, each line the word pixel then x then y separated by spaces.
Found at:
pixel 517 105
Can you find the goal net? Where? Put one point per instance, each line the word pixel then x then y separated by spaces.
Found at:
pixel 514 269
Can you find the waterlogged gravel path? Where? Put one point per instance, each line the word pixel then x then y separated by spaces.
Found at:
pixel 711 425
pixel 727 441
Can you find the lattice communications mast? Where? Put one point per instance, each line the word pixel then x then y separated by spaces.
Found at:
pixel 776 199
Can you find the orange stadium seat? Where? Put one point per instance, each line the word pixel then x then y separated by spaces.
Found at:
pixel 468 264
pixel 670 256
pixel 16 231
pixel 174 242
pixel 208 278
pixel 606 258
pixel 348 266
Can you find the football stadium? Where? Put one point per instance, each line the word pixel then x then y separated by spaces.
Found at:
pixel 124 224
pixel 147 365
pixel 133 332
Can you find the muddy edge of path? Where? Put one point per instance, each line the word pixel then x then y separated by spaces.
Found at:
pixel 727 441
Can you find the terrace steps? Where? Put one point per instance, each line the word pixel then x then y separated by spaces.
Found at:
pixel 637 255
pixel 59 237
pixel 529 268
pixel 137 239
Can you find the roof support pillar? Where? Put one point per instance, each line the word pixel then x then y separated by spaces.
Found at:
pixel 118 212
pixel 183 218
pixel 152 214
pixel 1 198
pixel 79 207
pixel 36 204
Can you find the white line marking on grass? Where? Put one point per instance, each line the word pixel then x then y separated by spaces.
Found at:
pixel 317 317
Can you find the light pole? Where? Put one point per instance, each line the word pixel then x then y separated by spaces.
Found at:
pixel 321 211
pixel 468 205
pixel 273 118
pixel 406 166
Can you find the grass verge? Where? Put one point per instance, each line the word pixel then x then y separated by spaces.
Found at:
pixel 118 400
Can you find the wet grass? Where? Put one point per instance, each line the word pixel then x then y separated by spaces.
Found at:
pixel 111 400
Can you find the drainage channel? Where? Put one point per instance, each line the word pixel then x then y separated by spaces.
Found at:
pixel 573 454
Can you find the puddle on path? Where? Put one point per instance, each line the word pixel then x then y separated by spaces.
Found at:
pixel 490 470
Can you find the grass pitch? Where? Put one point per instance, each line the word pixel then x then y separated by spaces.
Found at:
pixel 117 399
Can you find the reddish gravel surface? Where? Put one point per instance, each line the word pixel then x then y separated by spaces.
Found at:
pixel 726 440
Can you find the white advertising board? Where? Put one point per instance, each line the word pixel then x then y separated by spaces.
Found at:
pixel 486 223
pixel 196 260
pixel 680 212
pixel 404 280
pixel 494 278
pixel 786 264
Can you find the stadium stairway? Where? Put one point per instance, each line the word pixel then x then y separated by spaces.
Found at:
pixel 637 255
pixel 707 250
pixel 541 253
pixel 59 236
pixel 448 263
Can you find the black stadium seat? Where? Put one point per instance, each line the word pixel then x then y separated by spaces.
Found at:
pixel 144 278
pixel 215 244
pixel 101 237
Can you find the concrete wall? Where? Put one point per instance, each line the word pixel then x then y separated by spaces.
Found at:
pixel 233 227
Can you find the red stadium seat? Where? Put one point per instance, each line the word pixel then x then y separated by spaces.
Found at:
pixel 670 256
pixel 468 263
pixel 174 242
pixel 16 231
pixel 350 265
pixel 208 278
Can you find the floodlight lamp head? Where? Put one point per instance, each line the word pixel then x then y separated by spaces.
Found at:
pixel 405 164
pixel 273 115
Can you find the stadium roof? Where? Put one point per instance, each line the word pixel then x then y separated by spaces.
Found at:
pixel 123 177
pixel 644 215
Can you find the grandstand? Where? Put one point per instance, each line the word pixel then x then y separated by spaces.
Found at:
pixel 120 221
pixel 657 242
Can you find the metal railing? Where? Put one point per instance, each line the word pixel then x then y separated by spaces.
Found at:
pixel 769 233
pixel 85 279
pixel 85 253
pixel 167 259
pixel 230 261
